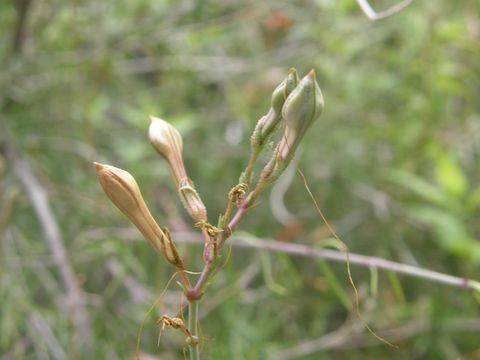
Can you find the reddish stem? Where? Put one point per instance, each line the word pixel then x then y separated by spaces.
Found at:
pixel 196 292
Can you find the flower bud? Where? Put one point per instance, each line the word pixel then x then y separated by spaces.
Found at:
pixel 302 107
pixel 166 139
pixel 267 124
pixel 282 91
pixel 121 187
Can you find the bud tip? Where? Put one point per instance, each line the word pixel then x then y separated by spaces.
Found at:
pixel 98 166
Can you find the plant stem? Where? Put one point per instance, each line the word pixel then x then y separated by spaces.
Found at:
pixel 193 327
pixel 339 256
pixel 251 163
pixel 196 292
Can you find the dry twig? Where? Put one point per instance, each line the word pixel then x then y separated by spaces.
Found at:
pixel 188 237
pixel 374 15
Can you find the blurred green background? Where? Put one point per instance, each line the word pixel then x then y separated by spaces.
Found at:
pixel 393 161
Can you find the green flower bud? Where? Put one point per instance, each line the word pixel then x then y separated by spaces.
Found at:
pixel 267 124
pixel 282 91
pixel 302 107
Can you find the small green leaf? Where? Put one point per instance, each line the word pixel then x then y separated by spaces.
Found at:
pixel 473 200
pixel 450 175
pixel 419 186
pixel 270 281
pixel 450 232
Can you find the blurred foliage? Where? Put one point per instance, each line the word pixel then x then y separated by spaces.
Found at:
pixel 394 162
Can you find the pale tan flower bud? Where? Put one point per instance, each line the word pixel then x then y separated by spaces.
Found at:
pixel 166 139
pixel 121 187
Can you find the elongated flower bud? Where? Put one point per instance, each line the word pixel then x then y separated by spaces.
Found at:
pixel 121 187
pixel 168 142
pixel 166 139
pixel 302 107
pixel 268 123
pixel 282 91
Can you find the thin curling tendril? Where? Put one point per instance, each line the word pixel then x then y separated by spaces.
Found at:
pixel 349 273
pixel 345 250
